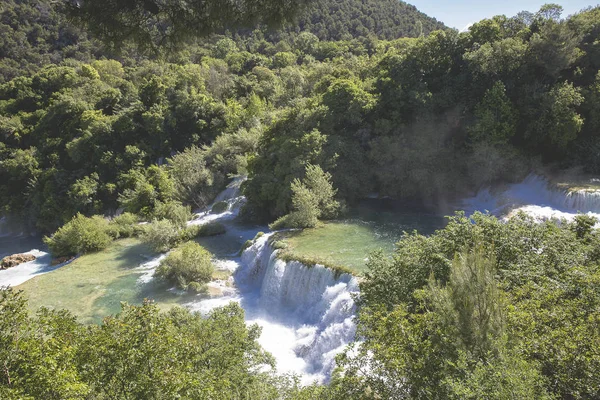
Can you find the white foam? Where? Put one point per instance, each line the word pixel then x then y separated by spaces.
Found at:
pixel 536 197
pixel 22 273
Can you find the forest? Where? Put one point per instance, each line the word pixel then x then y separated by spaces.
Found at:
pixel 348 99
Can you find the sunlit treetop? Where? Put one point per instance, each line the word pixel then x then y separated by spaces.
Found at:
pixel 164 25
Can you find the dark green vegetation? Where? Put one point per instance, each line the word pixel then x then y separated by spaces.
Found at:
pixel 481 309
pixel 138 354
pixel 312 198
pixel 422 119
pixel 430 119
pixel 332 20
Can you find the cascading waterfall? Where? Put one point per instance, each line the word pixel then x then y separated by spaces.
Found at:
pixel 231 195
pixel 311 301
pixel 536 196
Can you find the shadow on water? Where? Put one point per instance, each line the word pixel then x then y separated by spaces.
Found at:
pixel 130 290
pixel 132 256
pixel 232 240
pixel 387 215
pixel 14 244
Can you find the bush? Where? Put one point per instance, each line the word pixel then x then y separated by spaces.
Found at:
pixel 174 211
pixel 210 229
pixel 80 235
pixel 220 207
pixel 161 235
pixel 124 226
pixel 189 267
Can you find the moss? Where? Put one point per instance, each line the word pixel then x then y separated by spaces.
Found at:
pixel 206 230
pixel 310 262
pixel 279 245
pixel 245 246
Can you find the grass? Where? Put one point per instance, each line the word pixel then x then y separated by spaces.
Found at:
pixel 94 285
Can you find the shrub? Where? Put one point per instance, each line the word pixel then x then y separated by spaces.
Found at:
pixel 220 207
pixel 161 235
pixel 125 225
pixel 174 211
pixel 80 235
pixel 189 267
pixel 210 229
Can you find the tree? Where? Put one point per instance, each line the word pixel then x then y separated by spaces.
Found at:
pixel 155 25
pixel 496 117
pixel 195 183
pixel 138 353
pixel 161 235
pixel 452 346
pixel 558 119
pixel 312 198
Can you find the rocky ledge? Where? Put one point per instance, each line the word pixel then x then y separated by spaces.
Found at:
pixel 14 260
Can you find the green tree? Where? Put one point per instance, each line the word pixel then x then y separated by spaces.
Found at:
pixel 161 235
pixel 312 198
pixel 153 25
pixel 496 117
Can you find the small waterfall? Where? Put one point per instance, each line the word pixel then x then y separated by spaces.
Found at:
pixel 583 200
pixel 318 305
pixel 537 197
pixel 231 195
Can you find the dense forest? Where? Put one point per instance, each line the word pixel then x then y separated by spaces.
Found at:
pixel 422 119
pixel 356 98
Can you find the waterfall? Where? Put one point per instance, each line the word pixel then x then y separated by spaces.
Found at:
pixel 231 195
pixel 537 197
pixel 583 200
pixel 311 301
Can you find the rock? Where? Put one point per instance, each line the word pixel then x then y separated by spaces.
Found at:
pixel 14 260
pixel 60 260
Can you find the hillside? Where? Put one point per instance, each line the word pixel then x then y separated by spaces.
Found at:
pixel 37 33
pixel 347 19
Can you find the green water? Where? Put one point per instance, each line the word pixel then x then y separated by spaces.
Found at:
pixel 373 225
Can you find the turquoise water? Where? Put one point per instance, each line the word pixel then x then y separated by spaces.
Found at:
pixel 373 225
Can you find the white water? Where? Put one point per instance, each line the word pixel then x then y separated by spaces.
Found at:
pixel 306 314
pixel 23 272
pixel 231 195
pixel 536 197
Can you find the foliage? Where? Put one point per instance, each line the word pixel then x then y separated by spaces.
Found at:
pixel 189 266
pixel 124 226
pixel 312 198
pixel 194 182
pixel 139 353
pixel 152 24
pixel 78 236
pixel 469 309
pixel 204 230
pixel 173 211
pixel 161 235
pixel 310 262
